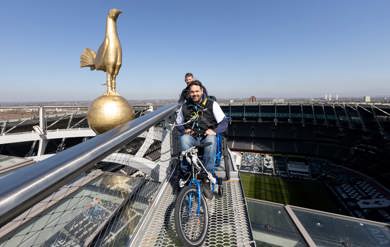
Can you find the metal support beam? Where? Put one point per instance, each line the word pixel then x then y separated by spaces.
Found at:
pixel 42 145
pixel 166 154
pixel 337 117
pixel 79 122
pixel 302 117
pixel 314 114
pixel 3 127
pixel 306 236
pixel 42 120
pixel 347 116
pixel 355 108
pixel 360 118
pixel 15 126
pixel 244 112
pixel 358 105
pixel 42 136
pixel 147 143
pixel 385 112
pixel 275 115
pixel 31 152
pixel 260 117
pixel 70 121
pixel 377 121
pixel 59 119
pixel 289 113
pixel 230 111
pixel 326 119
pixel 61 146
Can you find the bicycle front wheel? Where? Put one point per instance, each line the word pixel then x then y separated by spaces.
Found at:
pixel 191 217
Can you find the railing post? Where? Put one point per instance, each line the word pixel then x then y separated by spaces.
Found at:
pixel 4 126
pixel 42 136
pixel 166 153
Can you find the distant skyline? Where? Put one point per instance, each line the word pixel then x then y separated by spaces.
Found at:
pixel 269 49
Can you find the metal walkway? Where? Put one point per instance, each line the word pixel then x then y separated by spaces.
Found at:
pixel 229 223
pixel 115 211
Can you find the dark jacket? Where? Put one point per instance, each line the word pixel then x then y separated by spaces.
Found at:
pixel 205 114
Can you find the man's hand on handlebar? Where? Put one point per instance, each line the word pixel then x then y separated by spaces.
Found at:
pixel 188 132
pixel 210 132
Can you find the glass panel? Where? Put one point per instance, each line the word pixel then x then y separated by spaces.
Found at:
pixel 77 219
pixel 271 226
pixel 334 230
pixel 120 231
pixel 10 162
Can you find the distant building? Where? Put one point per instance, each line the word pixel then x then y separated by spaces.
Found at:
pixel 278 101
pixel 367 99
pixel 252 99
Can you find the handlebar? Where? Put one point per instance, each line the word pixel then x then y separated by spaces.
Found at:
pixel 194 149
pixel 191 156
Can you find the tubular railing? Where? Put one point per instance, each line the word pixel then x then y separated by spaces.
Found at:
pixel 22 188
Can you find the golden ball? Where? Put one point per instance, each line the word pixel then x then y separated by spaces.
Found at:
pixel 107 112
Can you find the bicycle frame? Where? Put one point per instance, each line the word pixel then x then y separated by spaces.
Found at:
pixel 198 191
pixel 196 167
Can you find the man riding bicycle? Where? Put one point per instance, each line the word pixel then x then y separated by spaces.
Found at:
pixel 200 119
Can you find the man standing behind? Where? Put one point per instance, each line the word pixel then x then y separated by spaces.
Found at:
pixel 209 121
pixel 188 78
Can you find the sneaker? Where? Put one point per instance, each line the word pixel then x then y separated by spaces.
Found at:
pixel 206 190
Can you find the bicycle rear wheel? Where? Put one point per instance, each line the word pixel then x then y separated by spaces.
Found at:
pixel 191 221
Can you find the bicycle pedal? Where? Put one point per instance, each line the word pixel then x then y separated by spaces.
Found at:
pixel 212 179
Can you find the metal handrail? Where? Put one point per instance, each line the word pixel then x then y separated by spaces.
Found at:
pixel 22 188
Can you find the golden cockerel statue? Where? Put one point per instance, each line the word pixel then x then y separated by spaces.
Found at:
pixel 109 55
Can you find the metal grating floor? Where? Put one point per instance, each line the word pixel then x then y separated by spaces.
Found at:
pixel 229 224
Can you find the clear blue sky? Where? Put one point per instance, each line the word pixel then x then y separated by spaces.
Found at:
pixel 266 48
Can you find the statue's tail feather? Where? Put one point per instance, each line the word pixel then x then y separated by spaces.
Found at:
pixel 87 58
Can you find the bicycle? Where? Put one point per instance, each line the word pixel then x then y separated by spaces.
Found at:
pixel 191 212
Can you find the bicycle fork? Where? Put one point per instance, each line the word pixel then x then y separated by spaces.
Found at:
pixel 199 193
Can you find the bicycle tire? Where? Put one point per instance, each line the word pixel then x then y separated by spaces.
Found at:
pixel 181 224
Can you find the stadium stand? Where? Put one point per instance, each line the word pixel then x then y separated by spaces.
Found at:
pixel 353 136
